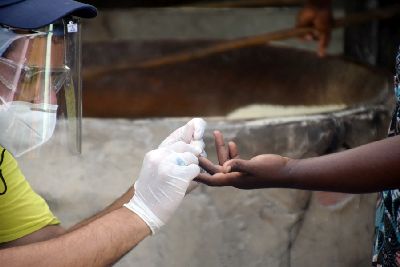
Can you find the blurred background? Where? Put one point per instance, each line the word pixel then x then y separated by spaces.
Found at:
pixel 151 65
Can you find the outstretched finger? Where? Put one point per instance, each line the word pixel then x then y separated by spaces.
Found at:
pixel 222 151
pixel 233 150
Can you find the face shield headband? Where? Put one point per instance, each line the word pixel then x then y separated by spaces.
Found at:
pixel 39 82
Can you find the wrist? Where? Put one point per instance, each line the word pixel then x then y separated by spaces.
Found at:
pixel 132 218
pixel 137 206
pixel 289 177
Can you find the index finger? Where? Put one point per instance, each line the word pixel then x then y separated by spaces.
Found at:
pixel 210 167
pixel 219 179
pixel 222 151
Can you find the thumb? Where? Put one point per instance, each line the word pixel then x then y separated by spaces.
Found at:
pixel 237 165
pixel 191 171
pixel 199 126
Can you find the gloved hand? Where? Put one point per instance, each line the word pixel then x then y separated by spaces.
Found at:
pixel 191 133
pixel 163 180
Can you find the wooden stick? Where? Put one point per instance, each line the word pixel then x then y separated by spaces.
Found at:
pixel 350 20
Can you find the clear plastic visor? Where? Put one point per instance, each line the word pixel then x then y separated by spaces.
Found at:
pixel 41 70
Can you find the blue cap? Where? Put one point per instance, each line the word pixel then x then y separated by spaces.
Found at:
pixel 34 14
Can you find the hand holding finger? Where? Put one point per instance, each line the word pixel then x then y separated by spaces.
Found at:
pixel 209 166
pixel 193 130
pixel 181 147
pixel 237 165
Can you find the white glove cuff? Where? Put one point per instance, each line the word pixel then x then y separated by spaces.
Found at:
pixel 137 206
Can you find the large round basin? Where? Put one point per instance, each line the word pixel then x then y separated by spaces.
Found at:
pixel 218 84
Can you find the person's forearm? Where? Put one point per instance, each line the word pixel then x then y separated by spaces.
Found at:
pixel 101 242
pixel 369 168
pixel 115 205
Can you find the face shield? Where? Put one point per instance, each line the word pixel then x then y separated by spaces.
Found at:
pixel 40 85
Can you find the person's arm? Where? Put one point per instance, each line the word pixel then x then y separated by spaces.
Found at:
pixel 101 240
pixel 165 175
pixel 99 243
pixel 368 168
pixel 53 231
pixel 192 132
pixel 115 205
pixel 318 15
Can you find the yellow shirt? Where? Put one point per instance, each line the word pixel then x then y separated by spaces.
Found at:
pixel 22 211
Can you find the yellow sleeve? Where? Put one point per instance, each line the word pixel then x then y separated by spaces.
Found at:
pixel 22 211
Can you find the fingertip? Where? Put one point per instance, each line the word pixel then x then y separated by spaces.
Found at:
pixel 193 171
pixel 199 127
pixel 189 158
pixel 233 150
pixel 197 150
pixel 199 144
pixel 219 138
pixel 228 163
pixel 209 180
pixel 227 169
pixel 203 154
pixel 194 148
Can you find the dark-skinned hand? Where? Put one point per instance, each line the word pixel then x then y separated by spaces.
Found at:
pixel 259 172
pixel 318 15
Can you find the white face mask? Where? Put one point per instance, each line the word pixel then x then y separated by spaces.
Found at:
pixel 25 126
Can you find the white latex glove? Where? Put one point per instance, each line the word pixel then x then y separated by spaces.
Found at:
pixel 191 133
pixel 163 180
